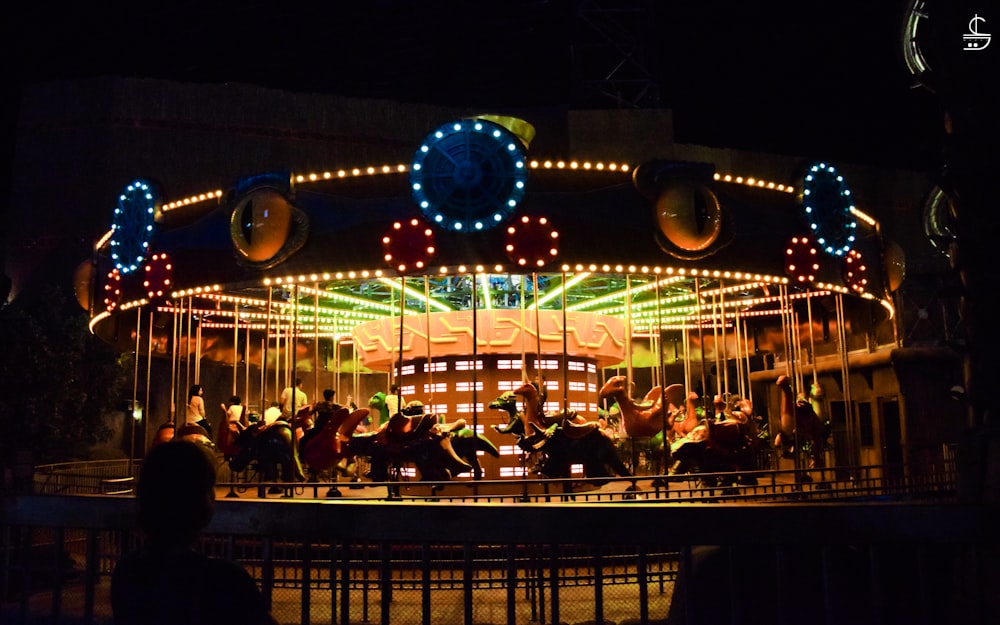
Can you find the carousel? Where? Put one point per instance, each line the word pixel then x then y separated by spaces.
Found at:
pixel 489 289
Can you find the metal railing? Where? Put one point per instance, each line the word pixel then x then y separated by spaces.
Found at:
pixel 874 554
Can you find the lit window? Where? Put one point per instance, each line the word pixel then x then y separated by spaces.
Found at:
pixel 513 472
pixel 468 386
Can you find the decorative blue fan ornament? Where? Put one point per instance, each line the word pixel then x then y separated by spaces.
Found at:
pixel 469 175
pixel 133 226
pixel 827 203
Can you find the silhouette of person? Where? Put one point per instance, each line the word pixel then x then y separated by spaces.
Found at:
pixel 167 580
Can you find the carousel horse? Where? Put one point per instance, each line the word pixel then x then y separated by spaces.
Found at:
pixel 716 446
pixel 187 432
pixel 562 440
pixel 680 421
pixel 271 447
pixel 410 436
pixel 799 421
pixel 645 418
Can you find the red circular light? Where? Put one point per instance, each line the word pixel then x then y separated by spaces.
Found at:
pixel 408 246
pixel 801 259
pixel 532 242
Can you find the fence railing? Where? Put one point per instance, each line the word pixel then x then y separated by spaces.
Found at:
pixel 845 546
pixel 420 562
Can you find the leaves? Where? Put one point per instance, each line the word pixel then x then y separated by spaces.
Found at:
pixel 61 380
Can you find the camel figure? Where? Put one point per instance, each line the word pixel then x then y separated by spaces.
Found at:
pixel 645 418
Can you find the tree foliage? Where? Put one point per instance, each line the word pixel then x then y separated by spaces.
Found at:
pixel 61 381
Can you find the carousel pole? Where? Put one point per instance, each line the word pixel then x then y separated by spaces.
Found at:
pixel 316 387
pixel 246 369
pixel 788 319
pixel 746 353
pixel 701 343
pixel 538 333
pixel 853 435
pixel 263 356
pixel 197 353
pixel 475 359
pixel 293 335
pixel 725 341
pixel 738 357
pixel 628 352
pixel 187 352
pixel 716 310
pixel 175 332
pixel 236 345
pixel 399 366
pixel 149 371
pixel 565 348
pixel 812 342
pixel 427 323
pixel 135 390
pixel 663 378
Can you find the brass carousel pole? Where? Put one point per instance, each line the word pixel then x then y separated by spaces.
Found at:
pixel 701 343
pixel 264 404
pixel 475 358
pixel 175 354
pixel 565 348
pixel 149 371
pixel 665 455
pixel 236 345
pixel 427 322
pixel 135 390
pixel 538 336
pixel 316 385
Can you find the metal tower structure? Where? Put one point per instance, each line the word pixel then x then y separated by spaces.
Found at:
pixel 614 60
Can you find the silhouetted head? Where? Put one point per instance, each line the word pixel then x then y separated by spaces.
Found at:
pixel 176 492
pixel 195 390
pixel 328 394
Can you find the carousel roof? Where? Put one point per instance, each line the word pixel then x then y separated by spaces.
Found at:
pixel 472 219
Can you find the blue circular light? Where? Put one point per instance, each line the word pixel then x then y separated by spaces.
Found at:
pixel 826 202
pixel 133 226
pixel 469 172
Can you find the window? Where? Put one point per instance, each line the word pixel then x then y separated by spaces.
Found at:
pixel 866 428
pixel 466 365
pixel 506 364
pixel 435 367
pixel 437 387
pixel 467 386
pixel 513 472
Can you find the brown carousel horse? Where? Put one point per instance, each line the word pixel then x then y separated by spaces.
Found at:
pixel 563 439
pixel 187 432
pixel 800 422
pixel 325 443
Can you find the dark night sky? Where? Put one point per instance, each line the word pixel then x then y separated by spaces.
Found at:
pixel 822 79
